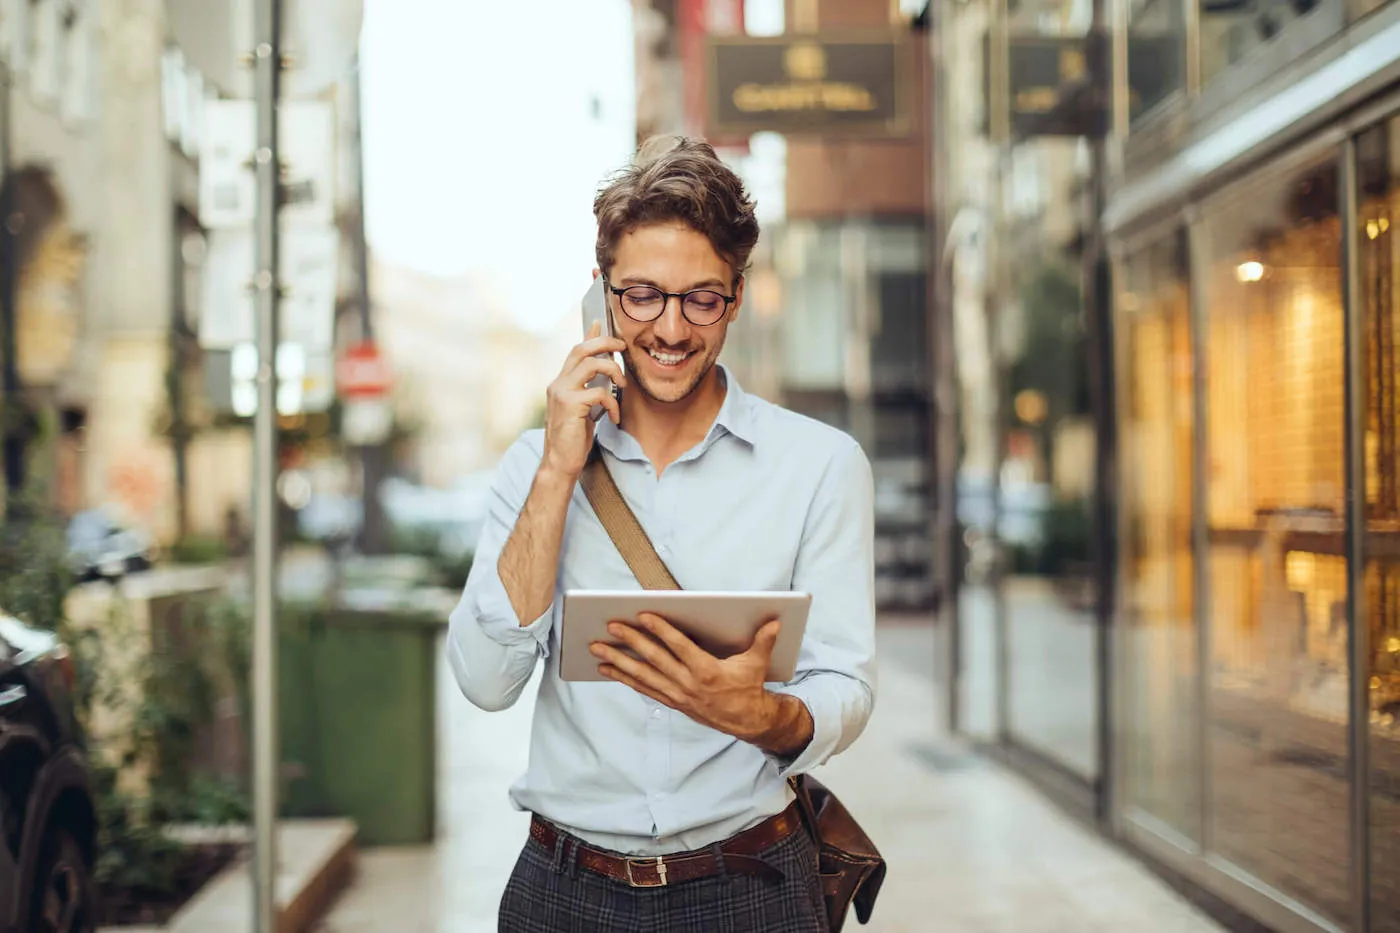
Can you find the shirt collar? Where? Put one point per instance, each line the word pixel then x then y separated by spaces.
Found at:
pixel 736 414
pixel 735 417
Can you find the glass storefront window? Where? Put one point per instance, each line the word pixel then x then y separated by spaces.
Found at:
pixel 1047 480
pixel 1275 524
pixel 1156 53
pixel 1379 178
pixel 1159 674
pixel 1232 30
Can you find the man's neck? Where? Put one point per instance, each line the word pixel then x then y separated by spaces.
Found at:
pixel 665 430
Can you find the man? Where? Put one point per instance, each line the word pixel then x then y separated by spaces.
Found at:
pixel 685 757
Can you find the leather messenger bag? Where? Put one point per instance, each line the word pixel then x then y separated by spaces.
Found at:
pixel 851 868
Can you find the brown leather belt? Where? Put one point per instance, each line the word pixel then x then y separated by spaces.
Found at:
pixel 740 854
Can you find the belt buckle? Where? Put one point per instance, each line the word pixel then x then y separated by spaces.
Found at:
pixel 660 872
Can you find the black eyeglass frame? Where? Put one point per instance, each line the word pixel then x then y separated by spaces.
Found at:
pixel 666 300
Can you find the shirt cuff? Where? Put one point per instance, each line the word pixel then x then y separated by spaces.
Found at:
pixel 498 620
pixel 825 710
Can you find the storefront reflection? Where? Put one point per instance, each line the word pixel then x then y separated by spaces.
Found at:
pixel 1159 676
pixel 1379 179
pixel 1047 482
pixel 1275 525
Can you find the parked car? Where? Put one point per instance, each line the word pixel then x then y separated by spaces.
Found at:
pixel 47 815
pixel 102 547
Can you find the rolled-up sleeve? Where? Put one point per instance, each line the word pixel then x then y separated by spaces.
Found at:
pixel 491 654
pixel 836 564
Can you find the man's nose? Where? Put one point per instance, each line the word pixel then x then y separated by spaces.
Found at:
pixel 672 327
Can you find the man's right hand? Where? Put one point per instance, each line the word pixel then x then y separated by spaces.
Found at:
pixel 568 431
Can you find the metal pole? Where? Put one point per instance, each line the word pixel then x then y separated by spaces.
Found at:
pixel 373 457
pixel 999 131
pixel 1099 307
pixel 361 246
pixel 943 449
pixel 10 222
pixel 1358 628
pixel 268 63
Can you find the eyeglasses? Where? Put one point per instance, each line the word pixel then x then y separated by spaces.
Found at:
pixel 645 303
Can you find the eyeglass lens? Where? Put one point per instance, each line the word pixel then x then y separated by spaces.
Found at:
pixel 644 303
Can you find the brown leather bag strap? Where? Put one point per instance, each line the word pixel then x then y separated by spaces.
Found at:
pixel 622 525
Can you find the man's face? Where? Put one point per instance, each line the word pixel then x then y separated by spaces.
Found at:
pixel 669 358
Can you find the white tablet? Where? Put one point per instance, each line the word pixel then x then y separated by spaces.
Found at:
pixel 723 623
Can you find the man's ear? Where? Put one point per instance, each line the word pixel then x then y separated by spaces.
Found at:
pixel 738 300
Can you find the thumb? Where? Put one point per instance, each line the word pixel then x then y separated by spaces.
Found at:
pixel 766 638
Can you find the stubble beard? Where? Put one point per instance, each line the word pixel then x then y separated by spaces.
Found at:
pixel 636 379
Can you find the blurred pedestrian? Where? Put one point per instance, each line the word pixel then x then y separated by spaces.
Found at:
pixel 661 801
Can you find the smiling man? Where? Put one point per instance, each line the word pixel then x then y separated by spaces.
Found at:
pixel 660 801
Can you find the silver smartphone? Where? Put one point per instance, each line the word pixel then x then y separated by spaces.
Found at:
pixel 595 308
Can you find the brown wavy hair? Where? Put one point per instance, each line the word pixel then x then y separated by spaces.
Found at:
pixel 678 178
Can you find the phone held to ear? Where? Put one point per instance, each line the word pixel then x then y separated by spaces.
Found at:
pixel 595 309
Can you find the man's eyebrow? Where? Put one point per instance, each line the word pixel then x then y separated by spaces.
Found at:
pixel 643 280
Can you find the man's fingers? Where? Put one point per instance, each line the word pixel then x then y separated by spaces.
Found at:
pixel 654 652
pixel 640 671
pixel 599 396
pixel 689 653
pixel 576 353
pixel 765 638
pixel 593 365
pixel 593 346
pixel 608 670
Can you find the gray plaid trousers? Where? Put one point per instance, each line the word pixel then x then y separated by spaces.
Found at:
pixel 549 893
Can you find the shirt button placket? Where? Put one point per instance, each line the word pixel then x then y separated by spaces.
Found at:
pixel 654 775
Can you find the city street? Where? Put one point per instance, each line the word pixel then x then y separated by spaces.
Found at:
pixel 972 848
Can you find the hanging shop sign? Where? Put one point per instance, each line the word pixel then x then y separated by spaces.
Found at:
pixel 1057 85
pixel 810 85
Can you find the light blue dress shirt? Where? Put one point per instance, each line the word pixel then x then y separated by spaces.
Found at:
pixel 769 500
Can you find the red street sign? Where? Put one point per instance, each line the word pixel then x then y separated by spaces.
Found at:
pixel 361 372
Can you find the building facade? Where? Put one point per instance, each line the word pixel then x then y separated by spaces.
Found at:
pixel 106 119
pixel 1253 316
pixel 1207 666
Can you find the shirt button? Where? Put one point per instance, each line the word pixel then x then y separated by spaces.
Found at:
pixel 656 713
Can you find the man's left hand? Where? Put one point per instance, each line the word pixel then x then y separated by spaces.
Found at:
pixel 725 694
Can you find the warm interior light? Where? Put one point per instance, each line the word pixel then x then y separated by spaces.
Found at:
pixel 1249 271
pixel 1373 229
pixel 1031 406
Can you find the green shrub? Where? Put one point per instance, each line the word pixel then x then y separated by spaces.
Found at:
pixel 199 549
pixel 180 683
pixel 34 573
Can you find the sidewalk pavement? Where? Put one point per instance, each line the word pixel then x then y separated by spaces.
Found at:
pixel 971 847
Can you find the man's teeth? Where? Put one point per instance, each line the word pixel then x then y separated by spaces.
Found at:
pixel 667 359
